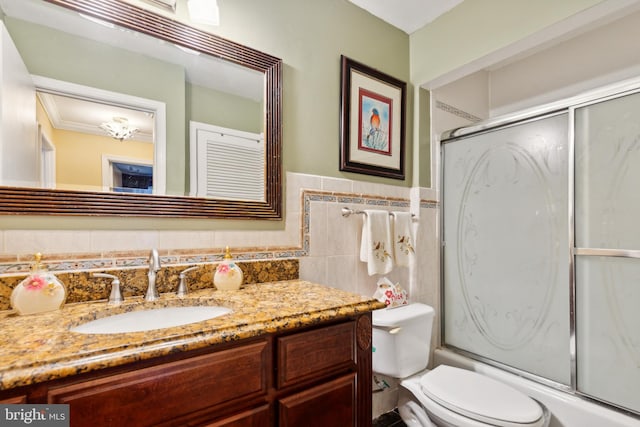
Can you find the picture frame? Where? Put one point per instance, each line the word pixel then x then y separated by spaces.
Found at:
pixel 372 121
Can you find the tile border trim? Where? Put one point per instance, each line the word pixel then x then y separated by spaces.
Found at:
pixel 73 262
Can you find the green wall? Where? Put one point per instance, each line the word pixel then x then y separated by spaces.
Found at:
pixel 310 36
pixel 469 32
pixel 477 28
pixel 222 109
pixel 58 55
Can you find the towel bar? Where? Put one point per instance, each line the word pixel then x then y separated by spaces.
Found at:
pixel 348 211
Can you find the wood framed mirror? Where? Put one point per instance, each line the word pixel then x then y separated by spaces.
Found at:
pixel 42 201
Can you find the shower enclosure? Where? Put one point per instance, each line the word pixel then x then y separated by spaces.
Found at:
pixel 541 244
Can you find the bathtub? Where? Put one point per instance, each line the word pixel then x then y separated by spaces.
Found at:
pixel 567 410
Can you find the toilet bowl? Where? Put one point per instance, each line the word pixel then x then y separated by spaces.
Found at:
pixel 445 396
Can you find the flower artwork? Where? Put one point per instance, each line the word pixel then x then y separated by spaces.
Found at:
pixel 380 252
pixel 404 244
pixel 35 283
pixel 227 268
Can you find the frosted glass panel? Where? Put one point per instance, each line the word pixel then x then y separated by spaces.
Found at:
pixel 506 255
pixel 608 173
pixel 608 329
pixel 607 212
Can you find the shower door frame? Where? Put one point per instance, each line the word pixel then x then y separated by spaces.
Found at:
pixel 569 106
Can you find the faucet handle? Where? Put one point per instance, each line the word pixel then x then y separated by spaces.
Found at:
pixel 182 287
pixel 116 296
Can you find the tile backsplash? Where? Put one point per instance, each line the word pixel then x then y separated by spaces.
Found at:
pixel 81 286
pixel 323 243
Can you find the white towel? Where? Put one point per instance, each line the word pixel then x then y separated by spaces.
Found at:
pixel 403 238
pixel 375 247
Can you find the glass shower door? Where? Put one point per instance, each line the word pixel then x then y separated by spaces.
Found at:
pixel 607 197
pixel 506 256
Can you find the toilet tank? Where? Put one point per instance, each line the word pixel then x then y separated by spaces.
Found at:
pixel 401 339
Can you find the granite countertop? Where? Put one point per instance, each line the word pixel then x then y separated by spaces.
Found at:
pixel 41 347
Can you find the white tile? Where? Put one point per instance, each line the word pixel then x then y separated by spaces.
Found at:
pixel 313 269
pixel 235 238
pixel 380 190
pixel 46 241
pixel 296 182
pixel 130 240
pixel 337 185
pixel 429 194
pixel 185 239
pixel 341 273
pixel 343 233
pixel 384 401
pixel 318 229
pixel 367 285
pixel 2 249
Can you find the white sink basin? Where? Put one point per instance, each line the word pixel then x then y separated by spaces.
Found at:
pixel 146 320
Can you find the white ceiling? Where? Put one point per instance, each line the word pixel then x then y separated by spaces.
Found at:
pixel 85 116
pixel 407 15
pixel 81 115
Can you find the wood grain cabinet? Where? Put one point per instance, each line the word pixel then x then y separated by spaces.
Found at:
pixel 319 376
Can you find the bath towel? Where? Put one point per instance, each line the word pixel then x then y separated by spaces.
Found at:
pixel 375 247
pixel 403 238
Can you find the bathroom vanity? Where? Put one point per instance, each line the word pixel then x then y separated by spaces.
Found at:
pixel 290 354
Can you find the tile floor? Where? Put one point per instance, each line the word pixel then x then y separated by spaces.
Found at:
pixel 390 419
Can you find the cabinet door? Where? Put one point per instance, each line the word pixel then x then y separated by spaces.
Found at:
pixel 258 417
pixel 329 404
pixel 172 391
pixel 315 354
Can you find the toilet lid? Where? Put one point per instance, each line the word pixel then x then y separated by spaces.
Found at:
pixel 479 397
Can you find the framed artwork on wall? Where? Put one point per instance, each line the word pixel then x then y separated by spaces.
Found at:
pixel 372 121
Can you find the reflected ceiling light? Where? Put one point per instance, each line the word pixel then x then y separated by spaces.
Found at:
pixel 204 12
pixel 119 128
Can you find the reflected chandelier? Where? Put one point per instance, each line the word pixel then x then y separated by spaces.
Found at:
pixel 119 128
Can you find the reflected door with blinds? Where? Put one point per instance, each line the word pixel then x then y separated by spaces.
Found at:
pixel 506 256
pixel 607 204
pixel 226 163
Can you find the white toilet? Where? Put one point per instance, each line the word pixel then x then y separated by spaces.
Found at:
pixel 444 396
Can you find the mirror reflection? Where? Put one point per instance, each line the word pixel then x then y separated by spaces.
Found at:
pixel 102 108
pixel 92 146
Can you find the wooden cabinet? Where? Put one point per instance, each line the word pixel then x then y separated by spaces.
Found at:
pixel 329 404
pixel 172 390
pixel 258 417
pixel 319 376
pixel 22 398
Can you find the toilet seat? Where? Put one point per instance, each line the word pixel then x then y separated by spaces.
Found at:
pixel 454 392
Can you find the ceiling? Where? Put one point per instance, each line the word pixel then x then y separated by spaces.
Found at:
pixel 407 15
pixel 82 115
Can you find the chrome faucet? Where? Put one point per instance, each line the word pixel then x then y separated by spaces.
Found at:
pixel 182 287
pixel 115 297
pixel 154 266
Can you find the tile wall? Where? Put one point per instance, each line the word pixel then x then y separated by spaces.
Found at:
pixel 316 233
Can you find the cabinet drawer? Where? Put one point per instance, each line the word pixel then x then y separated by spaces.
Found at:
pixel 15 399
pixel 315 354
pixel 329 404
pixel 168 391
pixel 258 417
